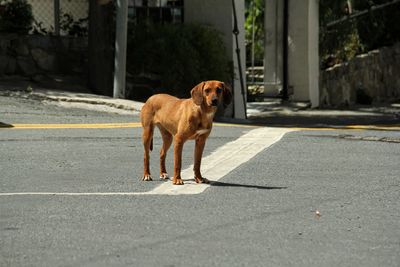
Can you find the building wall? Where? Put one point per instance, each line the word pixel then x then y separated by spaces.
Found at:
pixel 214 13
pixel 219 14
pixel 273 57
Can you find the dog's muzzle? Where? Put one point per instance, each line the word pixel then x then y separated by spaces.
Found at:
pixel 214 102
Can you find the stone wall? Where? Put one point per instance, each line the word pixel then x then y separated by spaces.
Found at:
pixel 36 56
pixel 366 79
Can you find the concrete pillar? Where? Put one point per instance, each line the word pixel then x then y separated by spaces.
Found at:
pixel 273 49
pixel 219 14
pixel 303 56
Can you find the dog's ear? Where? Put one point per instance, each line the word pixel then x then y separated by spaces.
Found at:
pixel 197 93
pixel 227 95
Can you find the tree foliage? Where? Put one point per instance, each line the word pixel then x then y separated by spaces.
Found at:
pixel 356 34
pixel 15 16
pixel 254 26
pixel 178 56
pixel 342 41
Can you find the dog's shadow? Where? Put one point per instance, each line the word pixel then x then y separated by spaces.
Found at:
pixel 223 184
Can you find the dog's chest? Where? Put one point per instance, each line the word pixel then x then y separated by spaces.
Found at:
pixel 204 124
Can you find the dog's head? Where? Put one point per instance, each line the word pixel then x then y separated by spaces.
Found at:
pixel 211 94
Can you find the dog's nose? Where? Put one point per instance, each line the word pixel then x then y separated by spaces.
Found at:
pixel 214 102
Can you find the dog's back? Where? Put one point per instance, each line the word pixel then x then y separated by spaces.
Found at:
pixel 162 109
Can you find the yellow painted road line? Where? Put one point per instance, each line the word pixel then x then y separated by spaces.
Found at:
pixel 395 127
pixel 352 127
pixel 73 126
pixel 94 125
pixel 375 127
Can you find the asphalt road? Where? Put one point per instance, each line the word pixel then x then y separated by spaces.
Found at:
pixel 263 213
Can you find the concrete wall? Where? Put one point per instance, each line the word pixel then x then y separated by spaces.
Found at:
pixel 33 56
pixel 368 78
pixel 219 14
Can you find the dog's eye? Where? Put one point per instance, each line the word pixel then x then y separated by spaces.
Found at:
pixel 219 90
pixel 207 90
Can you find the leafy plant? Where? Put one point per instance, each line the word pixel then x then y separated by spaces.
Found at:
pixel 254 24
pixel 380 27
pixel 73 27
pixel 15 16
pixel 354 36
pixel 38 28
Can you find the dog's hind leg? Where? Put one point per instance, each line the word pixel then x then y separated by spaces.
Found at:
pixel 147 138
pixel 167 141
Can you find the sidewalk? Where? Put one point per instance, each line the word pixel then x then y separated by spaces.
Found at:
pixel 272 112
pixel 74 97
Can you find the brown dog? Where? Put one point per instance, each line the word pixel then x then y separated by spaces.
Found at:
pixel 179 120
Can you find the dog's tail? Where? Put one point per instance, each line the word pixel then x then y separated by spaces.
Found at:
pixel 151 144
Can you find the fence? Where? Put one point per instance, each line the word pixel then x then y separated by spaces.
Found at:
pixel 158 11
pixel 60 17
pixel 70 17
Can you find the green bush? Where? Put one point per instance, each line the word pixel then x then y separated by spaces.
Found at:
pixel 15 16
pixel 179 56
pixel 255 10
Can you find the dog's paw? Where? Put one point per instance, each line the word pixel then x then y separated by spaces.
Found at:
pixel 177 181
pixel 164 176
pixel 201 180
pixel 147 178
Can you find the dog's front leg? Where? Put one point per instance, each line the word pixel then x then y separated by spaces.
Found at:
pixel 198 153
pixel 178 146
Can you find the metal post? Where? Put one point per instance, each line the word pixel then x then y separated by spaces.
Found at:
pixel 56 4
pixel 285 39
pixel 253 34
pixel 236 33
pixel 120 48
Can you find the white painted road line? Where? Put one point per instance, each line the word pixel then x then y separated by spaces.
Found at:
pixel 224 160
pixel 73 194
pixel 215 166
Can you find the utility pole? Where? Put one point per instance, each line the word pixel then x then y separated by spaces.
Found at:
pixel 120 48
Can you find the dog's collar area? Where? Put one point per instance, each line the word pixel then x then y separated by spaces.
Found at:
pixel 210 115
pixel 202 131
